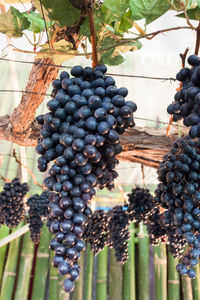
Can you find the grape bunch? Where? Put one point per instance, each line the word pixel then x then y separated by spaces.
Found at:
pixel 118 233
pixel 38 208
pixel 155 227
pixel 80 133
pixel 96 231
pixel 179 194
pixel 187 100
pixel 140 204
pixel 11 202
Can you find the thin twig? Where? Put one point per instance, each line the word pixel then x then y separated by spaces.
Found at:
pixel 14 235
pixel 197 39
pixel 14 154
pixel 89 9
pixel 4 178
pixel 143 176
pixel 123 194
pixel 123 42
pixel 45 24
pixel 183 56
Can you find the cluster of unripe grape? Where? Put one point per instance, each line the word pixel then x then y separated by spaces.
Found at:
pixel 11 202
pixel 38 209
pixel 80 134
pixel 109 229
pixel 140 204
pixel 179 194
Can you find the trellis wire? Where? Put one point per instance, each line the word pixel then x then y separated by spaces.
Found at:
pixel 111 74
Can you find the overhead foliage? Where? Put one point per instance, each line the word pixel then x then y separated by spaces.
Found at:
pixel 113 20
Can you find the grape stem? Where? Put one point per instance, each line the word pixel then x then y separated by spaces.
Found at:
pixel 14 154
pixel 89 10
pixel 197 40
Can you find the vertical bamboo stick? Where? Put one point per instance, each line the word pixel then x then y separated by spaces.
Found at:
pixel 78 292
pixel 173 279
pixel 129 290
pixel 25 267
pixel 160 261
pixel 40 275
pixel 9 274
pixel 88 276
pixel 62 295
pixel 196 285
pixel 53 280
pixel 115 278
pixel 4 231
pixel 186 288
pixel 101 288
pixel 143 245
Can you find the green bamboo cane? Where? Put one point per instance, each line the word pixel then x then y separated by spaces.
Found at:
pixel 129 290
pixel 53 280
pixel 41 269
pixel 115 278
pixel 173 279
pixel 186 288
pixel 160 262
pixel 196 284
pixel 88 276
pixel 101 288
pixel 143 245
pixel 25 268
pixel 4 231
pixel 78 292
pixel 62 295
pixel 9 274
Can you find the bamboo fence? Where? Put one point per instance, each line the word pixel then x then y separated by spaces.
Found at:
pixel 26 272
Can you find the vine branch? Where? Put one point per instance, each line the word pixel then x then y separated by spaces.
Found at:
pixel 89 9
pixel 197 39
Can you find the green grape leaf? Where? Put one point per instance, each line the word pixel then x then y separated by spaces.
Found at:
pixel 118 7
pixel 13 23
pixel 193 14
pixel 60 11
pixel 114 56
pixel 36 22
pixel 126 21
pixel 149 10
pixel 58 53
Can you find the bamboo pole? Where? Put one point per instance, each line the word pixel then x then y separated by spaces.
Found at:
pixel 9 275
pixel 101 287
pixel 173 278
pixel 14 235
pixel 25 268
pixel 88 277
pixel 196 284
pixel 186 288
pixel 4 231
pixel 115 278
pixel 78 292
pixel 53 280
pixel 62 295
pixel 160 262
pixel 143 245
pixel 41 269
pixel 129 290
